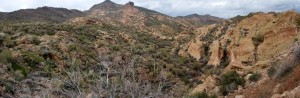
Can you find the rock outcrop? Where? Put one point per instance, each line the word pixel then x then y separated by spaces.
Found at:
pixel 196 50
pixel 295 93
pixel 208 85
pixel 216 54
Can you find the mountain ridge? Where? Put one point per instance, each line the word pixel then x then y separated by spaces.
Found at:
pixel 128 51
pixel 45 13
pixel 106 8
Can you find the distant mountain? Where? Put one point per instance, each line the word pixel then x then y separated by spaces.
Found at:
pixel 109 8
pixel 201 19
pixel 49 14
pixel 2 14
pixel 125 13
pixel 145 19
pixel 110 12
pixel 134 16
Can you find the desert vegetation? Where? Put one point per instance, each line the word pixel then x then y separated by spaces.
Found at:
pixel 132 52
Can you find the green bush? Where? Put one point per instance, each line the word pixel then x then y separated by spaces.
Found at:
pixel 230 82
pixel 231 77
pixel 73 47
pixel 9 87
pixel 202 95
pixel 255 77
pixel 32 59
pixel 296 39
pixel 5 56
pixel 271 71
pixel 225 63
pixel 9 42
pixel 36 40
pixel 258 39
pixel 16 66
pixel 115 47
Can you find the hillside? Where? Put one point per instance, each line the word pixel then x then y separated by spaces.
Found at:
pixel 115 50
pixel 43 14
pixel 144 19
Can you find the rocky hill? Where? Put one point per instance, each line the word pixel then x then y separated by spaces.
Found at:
pixel 200 20
pixel 250 47
pixel 115 50
pixel 46 14
pixel 146 20
pixel 2 14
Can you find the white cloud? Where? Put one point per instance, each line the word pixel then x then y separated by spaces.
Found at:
pixel 220 8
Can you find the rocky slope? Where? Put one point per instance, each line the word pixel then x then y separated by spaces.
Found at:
pixel 251 45
pixel 144 19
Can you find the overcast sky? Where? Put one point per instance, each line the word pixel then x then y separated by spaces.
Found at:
pixel 220 8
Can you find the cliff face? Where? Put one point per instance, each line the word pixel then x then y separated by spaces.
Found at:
pixel 252 44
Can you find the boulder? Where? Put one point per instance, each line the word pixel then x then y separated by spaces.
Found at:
pixel 208 85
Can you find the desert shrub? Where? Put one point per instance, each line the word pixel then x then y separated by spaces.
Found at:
pixel 271 71
pixel 36 40
pixel 216 71
pixel 49 66
pixel 9 87
pixel 202 95
pixel 255 77
pixel 5 56
pixel 225 63
pixel 231 77
pixel 32 59
pixel 16 66
pixel 73 47
pixel 258 39
pixel 296 39
pixel 50 32
pixel 230 82
pixel 115 47
pixel 9 42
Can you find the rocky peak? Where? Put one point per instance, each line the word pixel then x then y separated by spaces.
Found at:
pixel 130 10
pixel 129 3
pixel 107 1
pixel 106 5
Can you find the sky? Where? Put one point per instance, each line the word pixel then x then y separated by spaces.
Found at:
pixel 219 8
